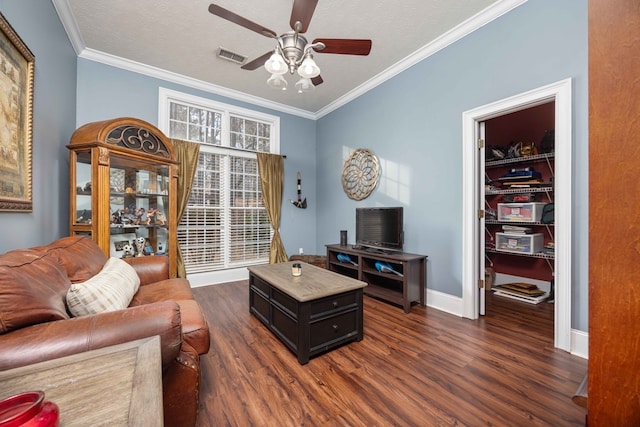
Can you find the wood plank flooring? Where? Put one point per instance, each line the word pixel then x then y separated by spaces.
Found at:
pixel 425 368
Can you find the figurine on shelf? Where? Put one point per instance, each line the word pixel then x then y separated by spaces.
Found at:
pixel 160 218
pixel 84 217
pixel 140 216
pixel 127 215
pixel 156 216
pixel 127 251
pixel 140 243
pixel 116 217
pixel 151 216
pixel 148 250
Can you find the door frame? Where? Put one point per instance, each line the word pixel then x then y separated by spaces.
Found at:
pixel 561 93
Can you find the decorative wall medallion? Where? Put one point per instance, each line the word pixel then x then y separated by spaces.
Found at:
pixel 360 174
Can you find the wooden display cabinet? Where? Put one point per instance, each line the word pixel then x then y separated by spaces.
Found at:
pixel 123 182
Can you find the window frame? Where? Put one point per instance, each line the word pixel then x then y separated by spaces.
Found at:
pixel 165 98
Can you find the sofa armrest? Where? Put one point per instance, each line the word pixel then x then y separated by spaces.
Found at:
pixel 60 338
pixel 181 389
pixel 150 269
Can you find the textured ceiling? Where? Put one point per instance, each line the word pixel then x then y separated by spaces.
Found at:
pixel 182 38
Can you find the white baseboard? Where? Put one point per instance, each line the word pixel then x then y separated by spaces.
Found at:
pixel 444 302
pixel 213 278
pixel 580 343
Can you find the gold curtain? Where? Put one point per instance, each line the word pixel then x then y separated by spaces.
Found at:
pixel 271 170
pixel 187 154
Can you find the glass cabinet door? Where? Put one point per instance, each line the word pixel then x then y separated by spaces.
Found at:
pixel 82 201
pixel 139 205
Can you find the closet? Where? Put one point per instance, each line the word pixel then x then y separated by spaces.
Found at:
pixel 519 172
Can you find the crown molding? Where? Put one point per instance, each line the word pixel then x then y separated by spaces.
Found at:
pixel 69 23
pixel 467 27
pixel 159 73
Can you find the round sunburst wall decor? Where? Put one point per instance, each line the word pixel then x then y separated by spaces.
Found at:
pixel 360 174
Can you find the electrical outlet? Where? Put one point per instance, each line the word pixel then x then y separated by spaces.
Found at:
pixel 300 251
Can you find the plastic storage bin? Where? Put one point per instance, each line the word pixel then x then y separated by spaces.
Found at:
pixel 520 243
pixel 520 212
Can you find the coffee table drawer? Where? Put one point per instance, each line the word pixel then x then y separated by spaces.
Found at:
pixel 333 303
pixel 260 285
pixel 259 304
pixel 285 327
pixel 289 304
pixel 333 329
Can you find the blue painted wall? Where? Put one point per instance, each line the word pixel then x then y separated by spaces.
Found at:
pixel 106 92
pixel 54 110
pixel 413 123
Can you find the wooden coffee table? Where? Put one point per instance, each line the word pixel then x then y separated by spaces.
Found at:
pixel 312 313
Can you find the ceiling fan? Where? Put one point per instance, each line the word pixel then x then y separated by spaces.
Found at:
pixel 293 52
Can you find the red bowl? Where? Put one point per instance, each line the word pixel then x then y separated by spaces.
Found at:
pixel 28 409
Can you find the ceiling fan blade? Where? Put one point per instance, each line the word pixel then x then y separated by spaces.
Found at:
pixel 257 63
pixel 302 12
pixel 345 46
pixel 317 80
pixel 240 20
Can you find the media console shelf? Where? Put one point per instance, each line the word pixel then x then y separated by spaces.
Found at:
pixel 403 289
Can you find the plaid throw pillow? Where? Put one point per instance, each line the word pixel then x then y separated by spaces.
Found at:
pixel 109 290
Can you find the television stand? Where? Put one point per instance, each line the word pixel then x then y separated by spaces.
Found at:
pixel 372 250
pixel 403 290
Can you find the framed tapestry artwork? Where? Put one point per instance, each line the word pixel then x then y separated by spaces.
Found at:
pixel 16 120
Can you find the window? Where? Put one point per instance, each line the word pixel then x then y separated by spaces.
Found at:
pixel 225 225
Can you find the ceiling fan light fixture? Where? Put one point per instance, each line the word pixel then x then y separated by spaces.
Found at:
pixel 304 85
pixel 276 81
pixel 308 69
pixel 292 51
pixel 276 64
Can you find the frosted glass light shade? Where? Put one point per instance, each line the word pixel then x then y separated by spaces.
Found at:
pixel 308 69
pixel 275 64
pixel 304 85
pixel 276 81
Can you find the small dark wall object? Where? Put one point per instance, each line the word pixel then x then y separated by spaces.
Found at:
pixel 343 237
pixel 302 204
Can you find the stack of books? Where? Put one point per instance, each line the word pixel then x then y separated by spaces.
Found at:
pixel 515 229
pixel 521 178
pixel 526 292
pixel 523 184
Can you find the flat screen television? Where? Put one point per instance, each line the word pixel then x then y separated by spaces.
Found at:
pixel 380 228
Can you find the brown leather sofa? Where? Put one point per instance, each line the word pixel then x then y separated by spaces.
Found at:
pixel 35 324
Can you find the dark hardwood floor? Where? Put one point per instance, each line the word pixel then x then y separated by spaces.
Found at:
pixel 425 368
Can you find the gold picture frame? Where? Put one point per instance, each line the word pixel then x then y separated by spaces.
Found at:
pixel 17 65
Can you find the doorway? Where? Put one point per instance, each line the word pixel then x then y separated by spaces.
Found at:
pixel 473 226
